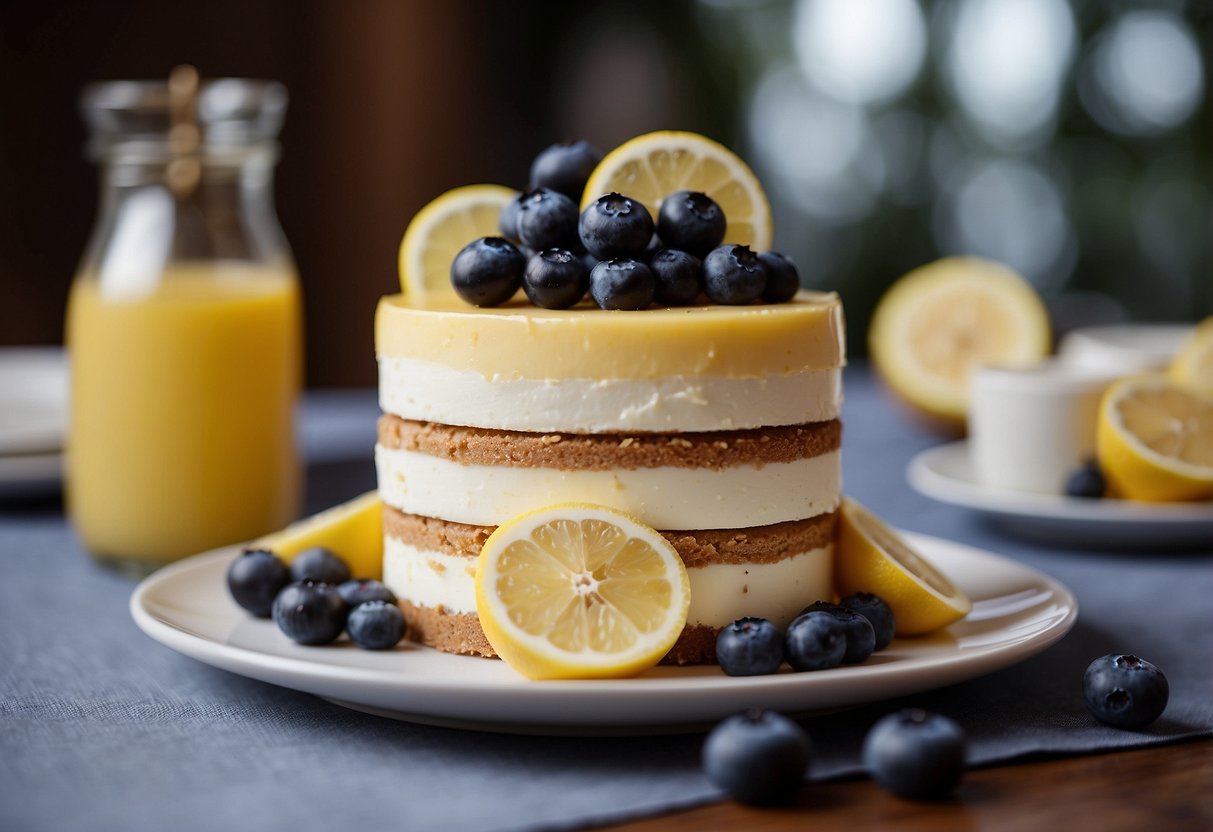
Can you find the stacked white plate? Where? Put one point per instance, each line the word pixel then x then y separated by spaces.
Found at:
pixel 33 420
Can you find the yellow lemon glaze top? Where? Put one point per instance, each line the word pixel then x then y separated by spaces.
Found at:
pixel 518 340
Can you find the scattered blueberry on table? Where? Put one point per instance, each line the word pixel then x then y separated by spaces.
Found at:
pixel 1125 691
pixel 915 754
pixel 759 757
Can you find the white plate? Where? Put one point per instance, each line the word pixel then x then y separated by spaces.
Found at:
pixel 1017 612
pixel 33 400
pixel 945 473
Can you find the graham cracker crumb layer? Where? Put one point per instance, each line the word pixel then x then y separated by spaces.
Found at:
pixel 760 544
pixel 461 633
pixel 606 452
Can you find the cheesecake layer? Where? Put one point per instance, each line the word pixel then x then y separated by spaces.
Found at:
pixel 518 341
pixel 437 392
pixel 664 497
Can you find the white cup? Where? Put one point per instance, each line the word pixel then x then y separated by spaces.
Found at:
pixel 1031 426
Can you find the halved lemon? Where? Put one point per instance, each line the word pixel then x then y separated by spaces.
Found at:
pixel 935 325
pixel 1192 366
pixel 871 557
pixel 441 229
pixel 578 591
pixel 353 530
pixel 1155 440
pixel 653 166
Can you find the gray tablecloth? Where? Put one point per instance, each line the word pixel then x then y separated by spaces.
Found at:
pixel 103 729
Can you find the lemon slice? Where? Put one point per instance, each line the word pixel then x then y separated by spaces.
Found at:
pixel 441 229
pixel 653 166
pixel 580 591
pixel 935 325
pixel 1192 366
pixel 871 557
pixel 353 530
pixel 1155 440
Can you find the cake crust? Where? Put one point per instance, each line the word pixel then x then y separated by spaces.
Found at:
pixel 713 450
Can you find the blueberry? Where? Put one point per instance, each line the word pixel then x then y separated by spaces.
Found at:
pixel 547 219
pixel 376 625
pixel 310 612
pixel 555 279
pixel 815 641
pixel 826 606
pixel 679 276
pixel 1125 691
pixel 749 647
pixel 622 284
pixel 878 613
pixel 733 275
pixel 860 635
pixel 783 280
pixel 1086 481
pixel 691 221
pixel 255 578
pixel 362 590
pixel 565 168
pixel 488 271
pixel 616 226
pixel 915 754
pixel 759 757
pixel 508 221
pixel 319 564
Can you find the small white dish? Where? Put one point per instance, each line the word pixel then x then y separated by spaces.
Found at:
pixel 1017 612
pixel 946 473
pixel 33 400
pixel 1122 348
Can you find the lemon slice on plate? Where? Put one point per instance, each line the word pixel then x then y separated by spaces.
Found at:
pixel 651 167
pixel 353 530
pixel 440 230
pixel 1154 440
pixel 871 557
pixel 577 591
pixel 935 325
pixel 1192 366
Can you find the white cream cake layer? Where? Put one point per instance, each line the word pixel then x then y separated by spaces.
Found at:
pixel 671 498
pixel 429 391
pixel 720 592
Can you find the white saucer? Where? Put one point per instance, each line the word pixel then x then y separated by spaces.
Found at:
pixel 1017 612
pixel 945 473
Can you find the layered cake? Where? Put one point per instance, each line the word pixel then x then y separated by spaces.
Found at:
pixel 716 425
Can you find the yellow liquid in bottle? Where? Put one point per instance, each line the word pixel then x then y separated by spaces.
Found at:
pixel 182 425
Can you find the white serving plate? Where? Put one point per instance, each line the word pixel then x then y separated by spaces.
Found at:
pixel 945 473
pixel 1017 612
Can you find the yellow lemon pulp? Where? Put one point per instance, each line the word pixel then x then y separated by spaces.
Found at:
pixel 1192 366
pixel 353 530
pixel 651 167
pixel 1155 440
pixel 580 591
pixel 871 557
pixel 441 229
pixel 936 324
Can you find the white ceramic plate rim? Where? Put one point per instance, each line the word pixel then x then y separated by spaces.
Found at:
pixel 945 473
pixel 1021 614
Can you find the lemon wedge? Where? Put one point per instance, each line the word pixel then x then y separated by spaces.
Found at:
pixel 353 530
pixel 651 167
pixel 1154 440
pixel 935 325
pixel 441 229
pixel 871 557
pixel 1192 366
pixel 577 591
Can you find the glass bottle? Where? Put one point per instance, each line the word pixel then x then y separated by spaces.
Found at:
pixel 183 325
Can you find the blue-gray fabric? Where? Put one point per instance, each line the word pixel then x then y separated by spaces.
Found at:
pixel 103 729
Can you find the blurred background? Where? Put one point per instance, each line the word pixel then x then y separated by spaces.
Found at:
pixel 1070 139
